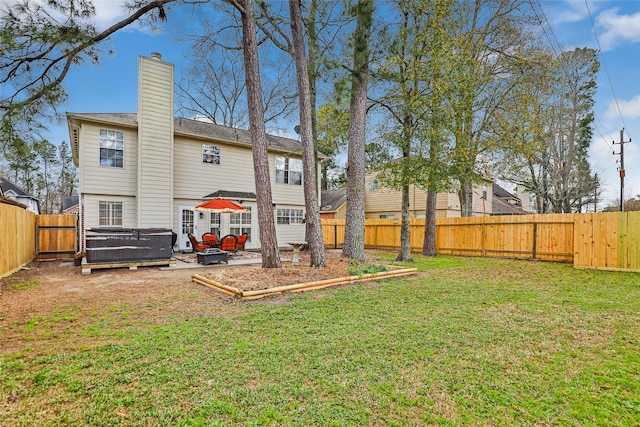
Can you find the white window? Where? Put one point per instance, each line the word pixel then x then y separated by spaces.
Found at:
pixel 110 214
pixel 210 154
pixel 111 148
pixel 288 171
pixel 290 216
pixel 214 224
pixel 484 192
pixel 387 216
pixel 240 223
pixel 373 186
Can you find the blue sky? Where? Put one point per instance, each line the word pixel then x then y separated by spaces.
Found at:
pixel 111 87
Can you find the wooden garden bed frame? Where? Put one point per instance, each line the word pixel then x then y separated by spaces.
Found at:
pixel 299 287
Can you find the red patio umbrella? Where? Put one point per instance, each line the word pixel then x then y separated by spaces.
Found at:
pixel 219 205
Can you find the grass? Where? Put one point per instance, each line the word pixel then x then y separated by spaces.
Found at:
pixel 468 342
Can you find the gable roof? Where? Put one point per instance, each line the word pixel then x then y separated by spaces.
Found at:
pixel 69 201
pixel 183 127
pixel 332 199
pixel 501 192
pixel 10 187
pixel 501 207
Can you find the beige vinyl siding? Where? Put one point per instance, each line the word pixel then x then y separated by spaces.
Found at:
pixel 155 143
pixel 92 204
pixel 289 232
pixel 388 201
pixel 194 179
pixel 284 193
pixel 121 181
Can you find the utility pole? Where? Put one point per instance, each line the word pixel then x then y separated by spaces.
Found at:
pixel 622 172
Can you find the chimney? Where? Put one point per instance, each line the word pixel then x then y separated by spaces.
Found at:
pixel 155 142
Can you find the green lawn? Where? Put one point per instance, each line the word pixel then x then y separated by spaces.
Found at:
pixel 467 342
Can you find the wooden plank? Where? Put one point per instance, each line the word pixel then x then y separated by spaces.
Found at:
pixel 132 265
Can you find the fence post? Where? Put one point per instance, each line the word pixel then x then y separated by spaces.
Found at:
pixel 483 238
pixel 535 239
pixel 335 236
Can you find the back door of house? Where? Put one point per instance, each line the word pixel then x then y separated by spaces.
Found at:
pixel 188 225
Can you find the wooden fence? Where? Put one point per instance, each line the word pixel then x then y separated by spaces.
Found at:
pixel 18 240
pixel 56 236
pixel 608 241
pixel 26 236
pixel 601 240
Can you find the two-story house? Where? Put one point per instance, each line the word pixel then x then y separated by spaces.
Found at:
pixel 149 169
pixel 381 202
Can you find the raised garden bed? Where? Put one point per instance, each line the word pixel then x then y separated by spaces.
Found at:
pixel 254 283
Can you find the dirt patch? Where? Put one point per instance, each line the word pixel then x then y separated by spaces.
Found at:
pixel 255 277
pixel 50 287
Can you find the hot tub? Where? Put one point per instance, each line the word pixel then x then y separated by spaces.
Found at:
pixel 128 244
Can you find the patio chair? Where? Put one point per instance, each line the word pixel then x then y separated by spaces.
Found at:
pixel 241 241
pixel 228 243
pixel 210 239
pixel 198 246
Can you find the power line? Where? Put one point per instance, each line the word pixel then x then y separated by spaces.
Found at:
pixel 604 64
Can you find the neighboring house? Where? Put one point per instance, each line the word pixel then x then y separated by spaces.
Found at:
pixel 70 205
pixel 505 203
pixel 12 192
pixel 383 202
pixel 333 203
pixel 149 169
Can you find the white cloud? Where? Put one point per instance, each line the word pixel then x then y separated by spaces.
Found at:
pixel 108 12
pixel 615 29
pixel 630 109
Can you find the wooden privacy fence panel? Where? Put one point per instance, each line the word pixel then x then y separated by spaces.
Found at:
pixel 56 235
pixel 608 240
pixel 18 240
pixel 545 237
pixel 333 232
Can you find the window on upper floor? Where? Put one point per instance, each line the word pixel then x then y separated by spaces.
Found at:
pixel 111 148
pixel 288 171
pixel 210 154
pixel 110 214
pixel 373 185
pixel 290 216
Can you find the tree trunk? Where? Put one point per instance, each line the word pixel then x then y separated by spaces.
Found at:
pixel 466 199
pixel 354 224
pixel 429 244
pixel 268 241
pixel 314 227
pixel 405 228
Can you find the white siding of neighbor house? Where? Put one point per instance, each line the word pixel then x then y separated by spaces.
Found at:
pixel 155 143
pixel 91 208
pixel 122 181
